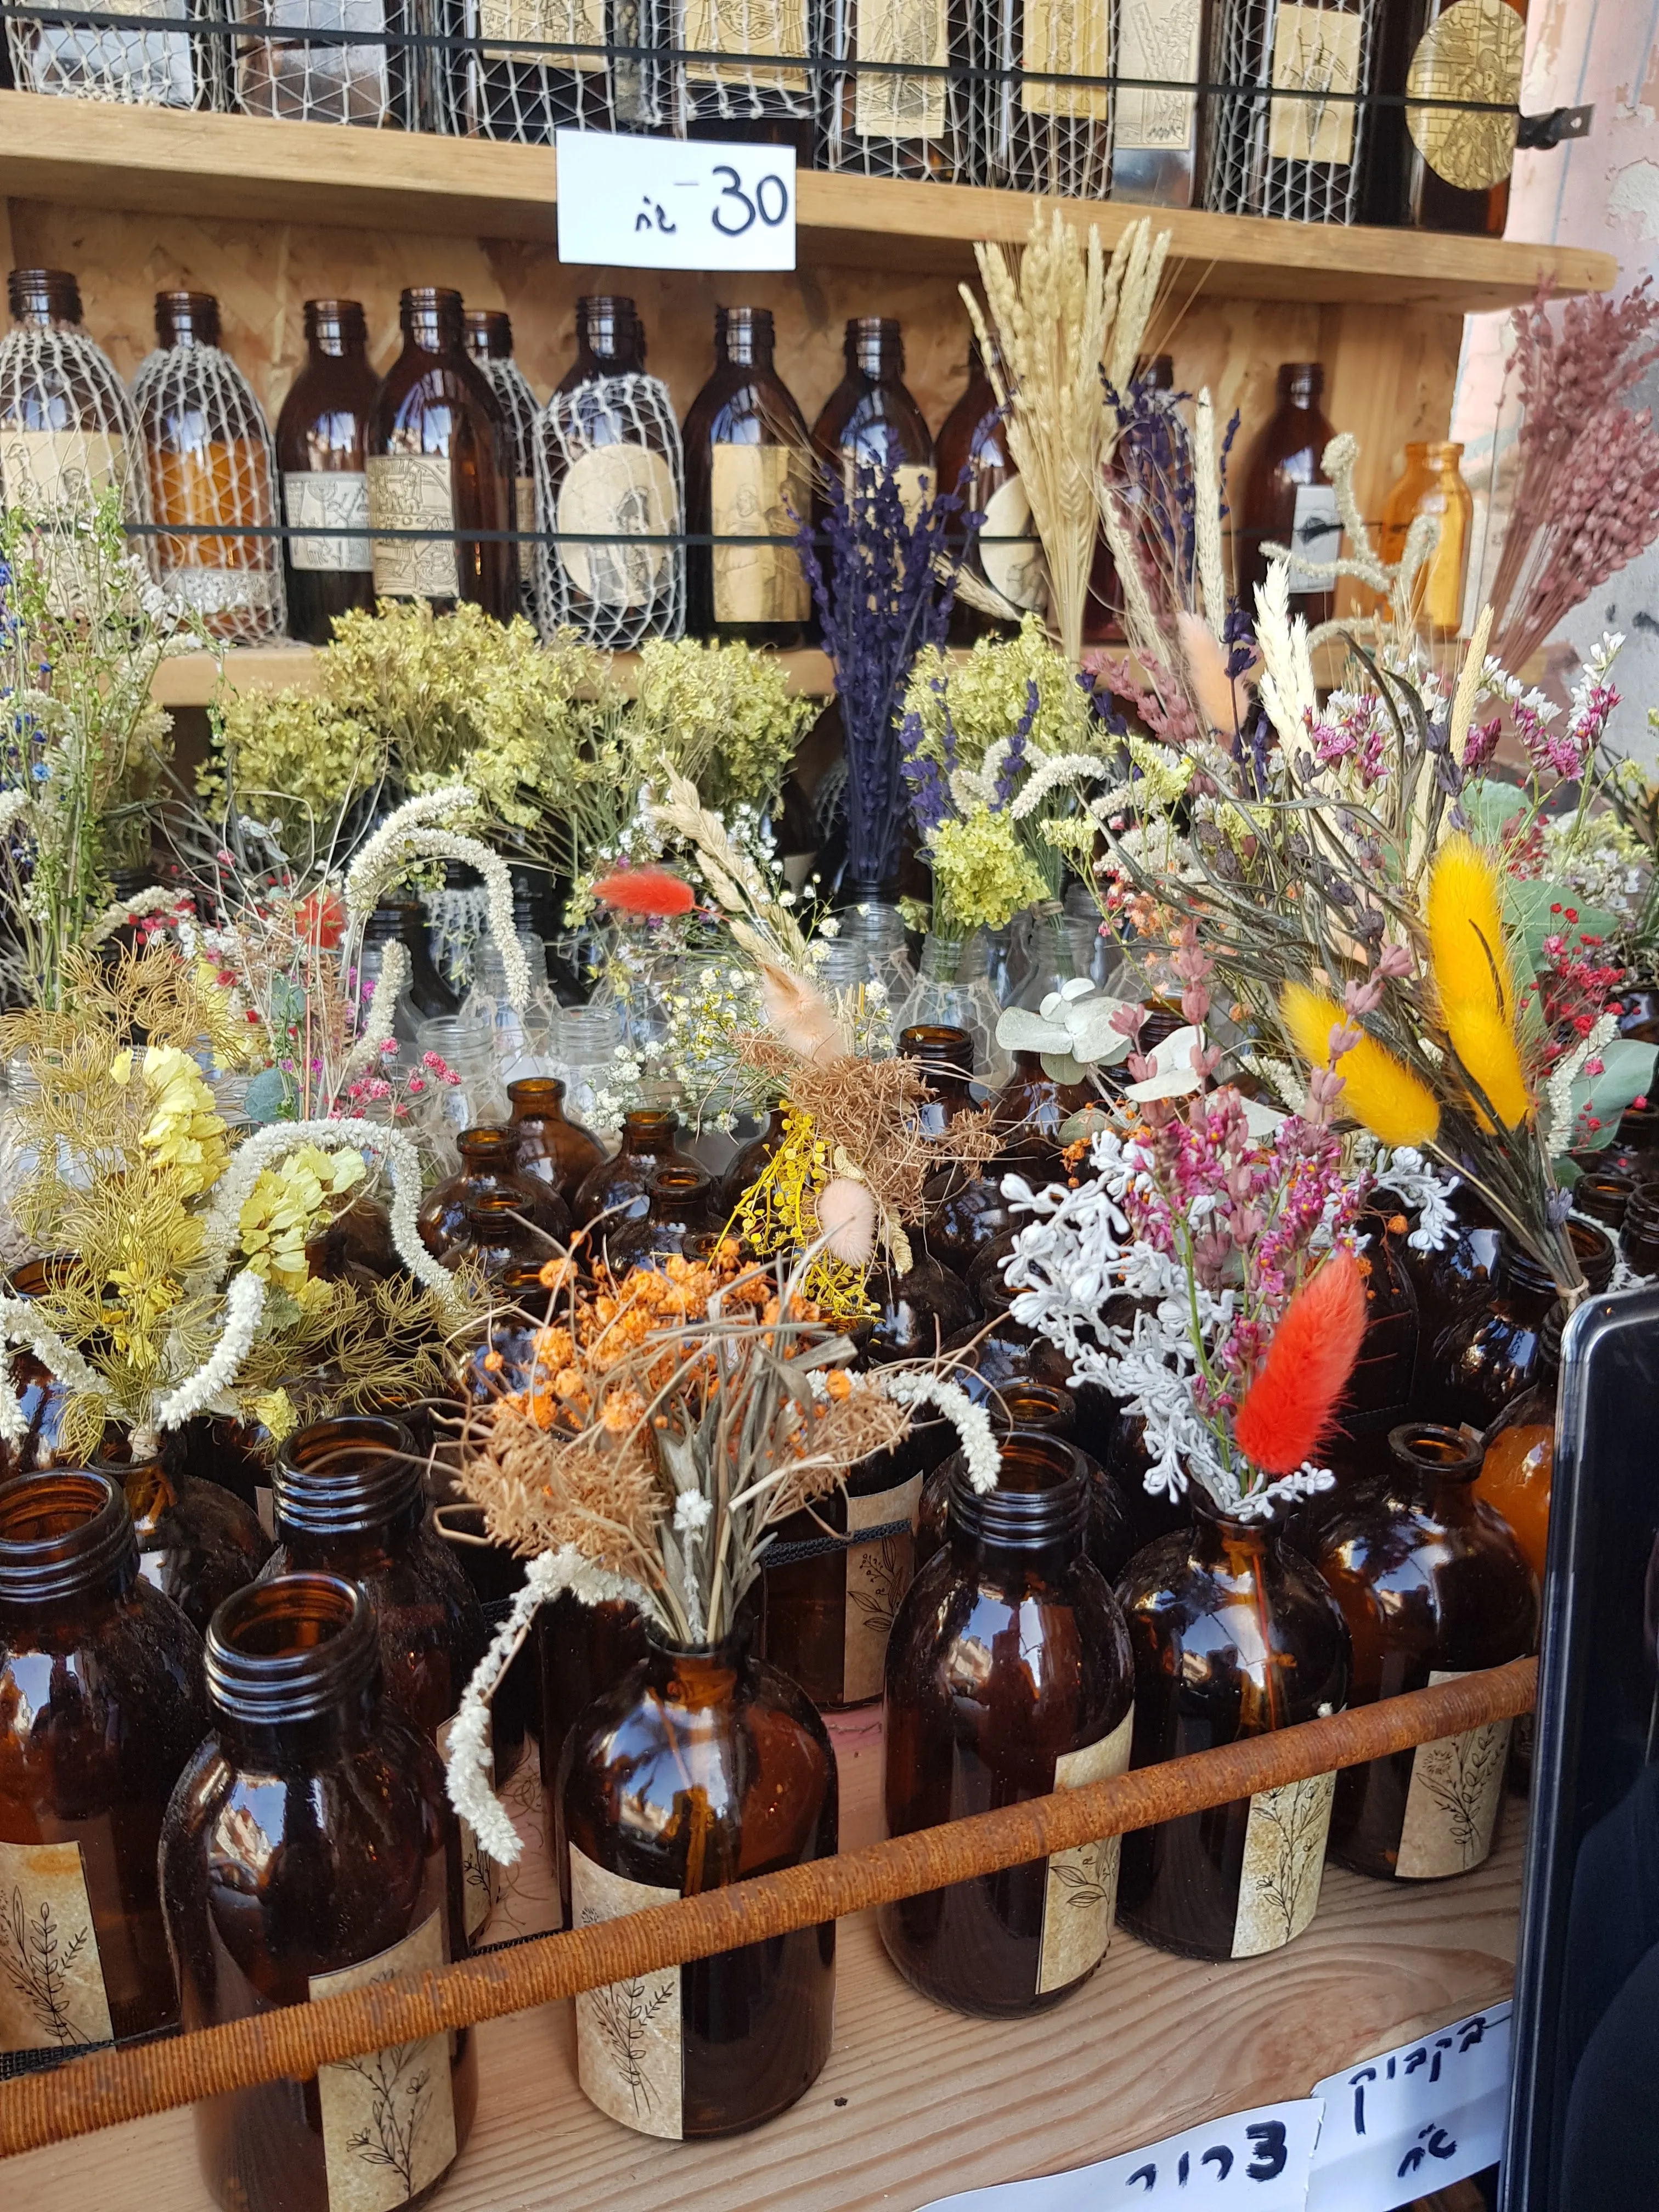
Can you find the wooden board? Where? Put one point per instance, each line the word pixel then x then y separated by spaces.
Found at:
pixel 916 2101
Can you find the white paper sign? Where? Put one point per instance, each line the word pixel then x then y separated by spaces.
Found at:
pixel 1410 2121
pixel 665 204
pixel 1258 2159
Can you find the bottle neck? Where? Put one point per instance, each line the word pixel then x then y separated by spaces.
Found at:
pixel 43 298
pixel 875 348
pixel 489 333
pixel 186 319
pixel 1435 1466
pixel 485 1151
pixel 537 1098
pixel 336 329
pixel 649 1132
pixel 1239 1547
pixel 293 1671
pixel 1032 1521
pixel 354 1476
pixel 610 340
pixel 66 1538
pixel 430 321
pixel 744 337
pixel 697 1676
pixel 1301 383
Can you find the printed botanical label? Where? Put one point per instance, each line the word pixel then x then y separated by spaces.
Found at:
pixel 1474 51
pixel 388 2119
pixel 1158 39
pixel 628 2034
pixel 897 31
pixel 1283 1863
pixel 878 1576
pixel 480 1876
pixel 523 515
pixel 1451 1807
pixel 52 1983
pixel 60 468
pixel 746 26
pixel 544 23
pixel 1067 37
pixel 413 491
pixel 758 491
pixel 1009 551
pixel 1315 536
pixel 1316 50
pixel 1080 1901
pixel 331 500
pixel 630 489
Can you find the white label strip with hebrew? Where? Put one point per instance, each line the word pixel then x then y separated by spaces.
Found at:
pixel 1261 2159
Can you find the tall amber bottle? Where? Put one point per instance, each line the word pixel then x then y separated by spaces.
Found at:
pixel 490 343
pixel 870 419
pixel 1288 497
pixel 1432 484
pixel 439 465
pixel 973 459
pixel 1441 168
pixel 309 1849
pixel 101 1707
pixel 747 473
pixel 322 445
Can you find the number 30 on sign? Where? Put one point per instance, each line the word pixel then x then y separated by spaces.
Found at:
pixel 662 203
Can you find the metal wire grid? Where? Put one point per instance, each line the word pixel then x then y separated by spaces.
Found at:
pixel 1300 158
pixel 709 93
pixel 915 114
pixel 496 85
pixel 89 59
pixel 68 431
pixel 607 456
pixel 373 81
pixel 519 411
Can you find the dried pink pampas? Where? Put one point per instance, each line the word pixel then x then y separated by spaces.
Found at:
pixel 798 1015
pixel 846 1216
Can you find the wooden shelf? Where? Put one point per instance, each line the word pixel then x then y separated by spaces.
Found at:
pixel 159 162
pixel 916 2102
pixel 192 678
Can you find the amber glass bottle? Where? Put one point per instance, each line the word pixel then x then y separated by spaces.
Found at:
pixel 1489 1353
pixel 964 1212
pixel 916 1312
pixel 1008 1676
pixel 679 1209
pixel 1031 1108
pixel 1519 1457
pixel 1288 498
pixel 322 447
pixel 310 1850
pixel 44 1400
pixel 487 1169
pixel 101 1707
pixel 197 1543
pixel 973 459
pixel 437 463
pixel 1022 1407
pixel 648 1145
pixel 751 1161
pixel 870 418
pixel 1379 1395
pixel 1638 1232
pixel 495 1238
pixel 1606 1198
pixel 488 336
pixel 1460 1272
pixel 581 1652
pixel 702 1767
pixel 1233 1634
pixel 946 1056
pixel 748 474
pixel 1433 1585
pixel 1432 484
pixel 1446 168
pixel 550 1146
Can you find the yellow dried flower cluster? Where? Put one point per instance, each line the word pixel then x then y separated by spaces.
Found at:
pixel 982 875
pixel 778 1212
pixel 984 696
pixel 288 1204
pixel 184 1132
pixel 723 715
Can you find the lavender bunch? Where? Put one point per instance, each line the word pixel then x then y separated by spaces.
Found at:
pixel 885 589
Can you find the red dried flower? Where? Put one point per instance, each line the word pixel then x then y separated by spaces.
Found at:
pixel 655 892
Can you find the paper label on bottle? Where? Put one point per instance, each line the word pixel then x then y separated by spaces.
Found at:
pixel 1284 1865
pixel 898 32
pixel 388 2119
pixel 331 500
pixel 1451 1807
pixel 630 489
pixel 1158 39
pixel 1474 50
pixel 762 491
pixel 1013 566
pixel 1068 38
pixel 1079 1902
pixel 51 1981
pixel 1315 536
pixel 413 491
pixel 878 1576
pixel 628 2041
pixel 480 1875
pixel 915 484
pixel 1316 50
pixel 57 468
pixel 544 22
pixel 523 514
pixel 746 26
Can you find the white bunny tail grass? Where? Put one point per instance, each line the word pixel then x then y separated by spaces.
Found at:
pixel 846 1217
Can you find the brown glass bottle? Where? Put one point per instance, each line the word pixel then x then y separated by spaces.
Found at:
pixel 1233 1634
pixel 581 1652
pixel 1489 1353
pixel 1006 557
pixel 701 1768
pixel 1032 1108
pixel 67 429
pixel 322 445
pixel 495 1238
pixel 965 1211
pixel 946 1056
pixel 1460 1272
pixel 488 334
pixel 917 1311
pixel 1443 167
pixel 1008 1676
pixel 648 1144
pixel 550 1146
pixel 679 1210
pixel 1433 1585
pixel 100 1708
pixel 1516 1470
pixel 1020 1406
pixel 1605 1197
pixel 1102 614
pixel 1638 1232
pixel 1288 498
pixel 1006 1352
pixel 870 420
pixel 437 463
pixel 1379 1393
pixel 747 473
pixel 751 1161
pixel 197 1544
pixel 310 1849
pixel 487 1169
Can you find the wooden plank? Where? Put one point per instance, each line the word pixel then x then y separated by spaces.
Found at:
pixel 192 679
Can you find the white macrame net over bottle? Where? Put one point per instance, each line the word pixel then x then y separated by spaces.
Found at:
pixel 62 53
pixel 609 458
pixel 373 80
pixel 599 67
pixel 487 328
pixel 1295 157
pixel 901 116
pixel 708 93
pixel 212 467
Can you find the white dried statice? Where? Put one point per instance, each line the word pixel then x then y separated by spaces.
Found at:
pixel 1424 1189
pixel 382 1011
pixel 22 1323
pixel 201 1392
pixel 156 900
pixel 1560 1116
pixel 971 1423
pixel 421 829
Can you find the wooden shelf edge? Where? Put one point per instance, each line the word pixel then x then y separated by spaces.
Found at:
pixel 171 162
pixel 193 679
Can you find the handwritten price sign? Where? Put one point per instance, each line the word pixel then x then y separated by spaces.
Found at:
pixel 1256 2162
pixel 657 203
pixel 1411 2121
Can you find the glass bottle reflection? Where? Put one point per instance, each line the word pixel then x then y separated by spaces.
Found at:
pixel 322 435
pixel 487 1169
pixel 197 1543
pixel 548 1145
pixel 748 474
pixel 870 419
pixel 648 1144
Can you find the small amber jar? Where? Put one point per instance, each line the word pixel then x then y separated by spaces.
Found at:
pixel 495 1238
pixel 701 1768
pixel 1489 1353
pixel 1032 1108
pixel 917 1311
pixel 964 1211
pixel 750 1161
pixel 648 1145
pixel 678 1209
pixel 197 1542
pixel 487 1169
pixel 1432 484
pixel 1037 1409
pixel 309 1849
pixel 946 1056
pixel 1519 1457
pixel 101 1707
pixel 1638 1232
pixel 1605 1197
pixel 1433 1585
pixel 549 1146
pixel 1008 1676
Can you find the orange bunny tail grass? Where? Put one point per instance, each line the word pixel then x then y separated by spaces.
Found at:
pixel 1290 1409
pixel 656 891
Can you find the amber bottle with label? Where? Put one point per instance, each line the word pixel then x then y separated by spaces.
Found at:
pixel 488 1156
pixel 310 1850
pixel 548 1145
pixel 1434 1584
pixel 322 445
pixel 1288 498
pixel 1008 1676
pixel 1006 557
pixel 439 467
pixel 1445 168
pixel 488 339
pixel 870 420
pixel 1234 1634
pixel 748 474
pixel 100 1708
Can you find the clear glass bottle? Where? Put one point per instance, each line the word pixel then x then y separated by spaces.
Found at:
pixel 649 1144
pixel 437 463
pixel 310 1850
pixel 1299 156
pixel 488 1169
pixel 1008 1676
pixel 1445 168
pixel 1288 497
pixel 953 990
pixel 870 419
pixel 489 345
pixel 67 429
pixel 101 1707
pixel 322 444
pixel 748 472
pixel 373 81
pixel 211 463
pixel 1432 484
pixel 548 1145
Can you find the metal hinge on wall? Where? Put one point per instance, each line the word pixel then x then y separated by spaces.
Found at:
pixel 1538 133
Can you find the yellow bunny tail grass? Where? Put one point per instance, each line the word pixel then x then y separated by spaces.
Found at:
pixel 1379 1091
pixel 1485 1042
pixel 1466 930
